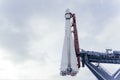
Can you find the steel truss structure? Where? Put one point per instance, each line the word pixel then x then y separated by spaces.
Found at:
pixel 90 57
pixel 72 55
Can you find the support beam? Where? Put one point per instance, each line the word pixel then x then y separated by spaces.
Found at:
pixel 99 72
pixel 117 74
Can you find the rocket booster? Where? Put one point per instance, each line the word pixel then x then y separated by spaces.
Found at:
pixel 69 61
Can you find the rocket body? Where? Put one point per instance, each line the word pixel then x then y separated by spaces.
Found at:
pixel 69 61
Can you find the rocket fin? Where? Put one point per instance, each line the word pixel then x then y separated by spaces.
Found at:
pixel 64 61
pixel 73 58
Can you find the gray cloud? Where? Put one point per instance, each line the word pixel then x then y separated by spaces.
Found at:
pixel 14 38
pixel 34 30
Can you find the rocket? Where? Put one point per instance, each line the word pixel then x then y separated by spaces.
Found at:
pixel 69 63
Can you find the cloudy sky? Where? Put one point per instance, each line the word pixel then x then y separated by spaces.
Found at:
pixel 32 32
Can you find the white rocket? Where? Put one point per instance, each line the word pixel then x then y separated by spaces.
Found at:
pixel 69 64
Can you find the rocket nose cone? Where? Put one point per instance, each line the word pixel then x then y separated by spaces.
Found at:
pixel 68 11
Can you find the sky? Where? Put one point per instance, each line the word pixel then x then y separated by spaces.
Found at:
pixel 32 34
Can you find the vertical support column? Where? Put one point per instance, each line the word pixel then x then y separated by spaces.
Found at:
pixel 76 41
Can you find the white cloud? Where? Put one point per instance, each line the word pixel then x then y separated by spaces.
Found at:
pixel 30 69
pixel 110 34
pixel 7 68
pixel 32 32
